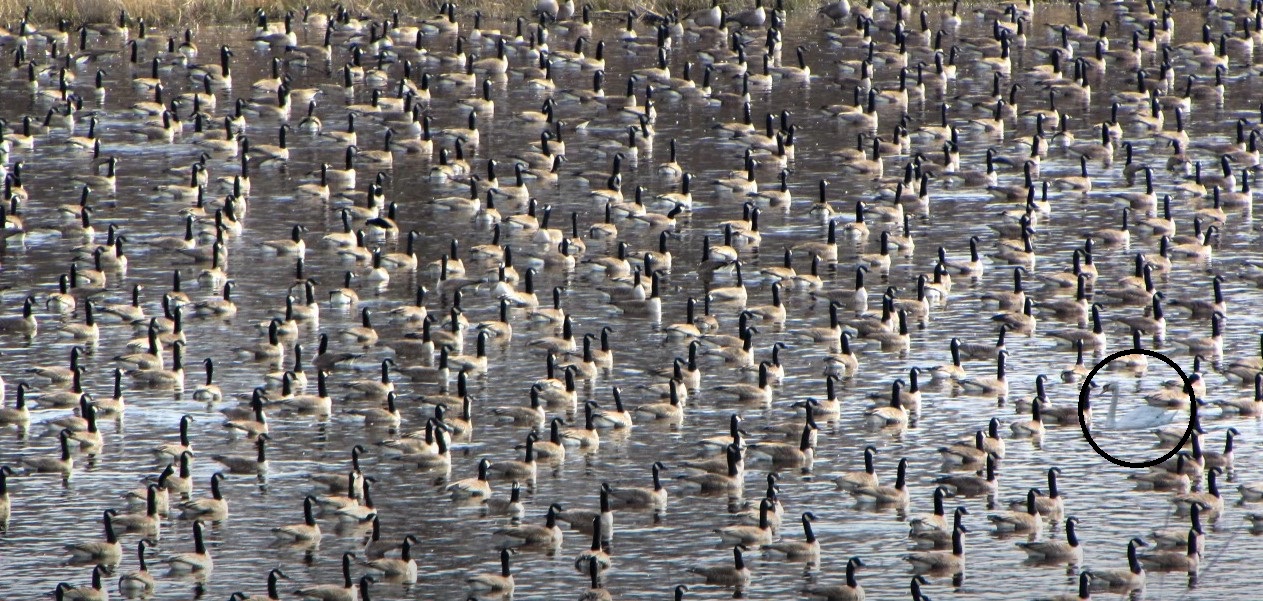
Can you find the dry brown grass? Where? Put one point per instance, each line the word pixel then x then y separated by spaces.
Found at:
pixel 207 12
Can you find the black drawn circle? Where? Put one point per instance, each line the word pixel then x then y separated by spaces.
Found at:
pixel 1084 404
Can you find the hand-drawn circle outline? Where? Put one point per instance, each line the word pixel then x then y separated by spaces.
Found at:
pixel 1084 404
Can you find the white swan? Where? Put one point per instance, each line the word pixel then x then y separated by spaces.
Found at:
pixel 1140 418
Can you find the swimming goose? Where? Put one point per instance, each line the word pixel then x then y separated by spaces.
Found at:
pixel 808 549
pixel 966 454
pixel 1177 538
pixel 1176 561
pixel 852 481
pixel 140 582
pixel 735 575
pixel 896 495
pixel 388 417
pixel 951 562
pixel 501 582
pixel 19 414
pixel 63 464
pixel 1201 308
pixel 59 376
pixel 936 521
pixel 997 386
pixel 595 555
pixel 348 590
pixel 402 568
pixel 746 535
pixel 148 521
pixel 306 533
pixel 548 535
pixel 94 592
pixel 714 481
pixel 892 415
pixel 1161 479
pixel 247 464
pixel 1245 405
pixel 108 552
pixel 273 594
pixel 749 393
pixel 641 498
pixel 1020 521
pixel 1094 339
pixel 256 424
pixel 1122 580
pixel 162 494
pixel 1070 551
pixel 214 508
pixel 24 324
pixel 473 488
pixel 198 561
pixel 1211 499
pixel 180 482
pixel 524 470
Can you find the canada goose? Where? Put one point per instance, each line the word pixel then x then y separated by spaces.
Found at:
pixel 965 454
pixel 308 532
pixel 95 592
pixel 402 568
pixel 997 386
pixel 641 498
pixel 1212 501
pixel 1176 561
pixel 378 417
pixel 710 481
pixel 1201 308
pixel 247 464
pixel 936 521
pixel 896 495
pixel 1020 521
pixel 1245 405
pixel 1070 551
pixel 63 464
pixel 19 415
pixel 348 590
pixel 787 455
pixel 972 485
pixel 951 562
pixel 735 575
pixel 147 522
pixel 524 470
pixel 139 582
pixel 1161 479
pixel 73 397
pixel 256 424
pixel 850 591
pixel 24 324
pixel 852 481
pixel 108 552
pixel 749 393
pixel 273 594
pixel 497 582
pixel 199 560
pixel 1122 580
pixel 475 488
pixel 749 536
pixel 214 508
pixel 1209 346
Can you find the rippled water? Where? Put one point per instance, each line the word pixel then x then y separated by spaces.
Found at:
pixel 651 552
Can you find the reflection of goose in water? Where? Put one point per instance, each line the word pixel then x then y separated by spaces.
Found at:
pixel 1143 417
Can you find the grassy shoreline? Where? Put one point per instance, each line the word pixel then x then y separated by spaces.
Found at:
pixel 210 12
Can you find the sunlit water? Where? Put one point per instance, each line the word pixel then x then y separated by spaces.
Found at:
pixel 651 553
